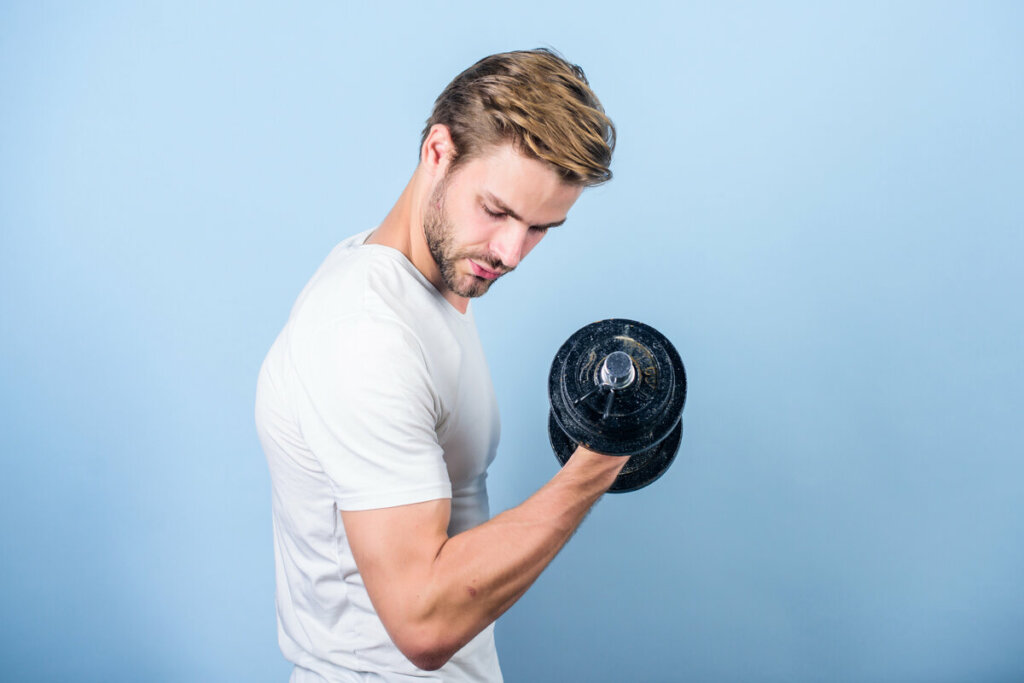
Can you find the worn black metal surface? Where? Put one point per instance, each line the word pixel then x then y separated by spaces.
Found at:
pixel 642 419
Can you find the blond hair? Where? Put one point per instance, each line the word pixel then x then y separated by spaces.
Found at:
pixel 536 100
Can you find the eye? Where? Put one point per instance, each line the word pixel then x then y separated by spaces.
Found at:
pixel 494 214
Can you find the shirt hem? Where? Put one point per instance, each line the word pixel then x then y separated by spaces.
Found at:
pixel 389 499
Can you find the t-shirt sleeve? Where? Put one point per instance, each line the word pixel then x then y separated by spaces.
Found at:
pixel 371 414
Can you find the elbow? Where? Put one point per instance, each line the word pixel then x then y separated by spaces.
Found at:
pixel 426 648
pixel 429 661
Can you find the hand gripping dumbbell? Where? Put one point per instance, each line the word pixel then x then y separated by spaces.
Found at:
pixel 618 387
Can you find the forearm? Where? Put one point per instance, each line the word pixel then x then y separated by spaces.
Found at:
pixel 480 573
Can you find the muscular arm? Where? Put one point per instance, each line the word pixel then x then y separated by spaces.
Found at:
pixel 433 592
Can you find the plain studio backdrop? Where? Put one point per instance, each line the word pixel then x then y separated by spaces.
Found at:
pixel 820 205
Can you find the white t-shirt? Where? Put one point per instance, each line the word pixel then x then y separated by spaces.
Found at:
pixel 375 394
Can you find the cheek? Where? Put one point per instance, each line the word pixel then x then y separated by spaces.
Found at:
pixel 476 230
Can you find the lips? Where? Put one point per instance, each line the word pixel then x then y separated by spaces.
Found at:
pixel 480 271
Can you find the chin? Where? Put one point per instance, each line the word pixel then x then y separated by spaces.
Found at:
pixel 473 287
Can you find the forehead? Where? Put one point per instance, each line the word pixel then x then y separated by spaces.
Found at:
pixel 526 185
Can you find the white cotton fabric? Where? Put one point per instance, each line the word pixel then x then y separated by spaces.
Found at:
pixel 376 393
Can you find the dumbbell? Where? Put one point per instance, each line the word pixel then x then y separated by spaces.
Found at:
pixel 618 387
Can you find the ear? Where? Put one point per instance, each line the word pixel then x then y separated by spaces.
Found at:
pixel 438 150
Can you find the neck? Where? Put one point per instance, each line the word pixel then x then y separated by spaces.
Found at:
pixel 402 229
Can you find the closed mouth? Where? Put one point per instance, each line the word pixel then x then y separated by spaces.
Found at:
pixel 481 271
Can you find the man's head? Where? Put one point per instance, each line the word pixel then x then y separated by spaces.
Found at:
pixel 516 138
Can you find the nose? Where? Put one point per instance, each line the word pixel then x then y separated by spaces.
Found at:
pixel 509 243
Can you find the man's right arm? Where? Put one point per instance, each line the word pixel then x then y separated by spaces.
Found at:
pixel 433 592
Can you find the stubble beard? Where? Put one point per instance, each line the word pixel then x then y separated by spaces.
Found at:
pixel 440 234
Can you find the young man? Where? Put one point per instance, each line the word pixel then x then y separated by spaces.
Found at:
pixel 375 406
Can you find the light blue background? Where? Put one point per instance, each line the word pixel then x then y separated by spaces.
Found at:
pixel 820 205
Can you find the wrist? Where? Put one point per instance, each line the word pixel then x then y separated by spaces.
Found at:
pixel 590 463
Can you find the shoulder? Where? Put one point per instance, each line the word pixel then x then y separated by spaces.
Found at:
pixel 368 299
pixel 357 281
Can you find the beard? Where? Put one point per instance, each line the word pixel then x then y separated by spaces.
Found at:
pixel 440 234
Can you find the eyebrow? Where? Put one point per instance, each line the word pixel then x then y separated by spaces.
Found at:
pixel 504 208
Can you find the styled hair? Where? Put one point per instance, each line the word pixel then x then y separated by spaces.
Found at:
pixel 536 100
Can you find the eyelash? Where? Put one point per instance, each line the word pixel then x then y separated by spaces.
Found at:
pixel 494 214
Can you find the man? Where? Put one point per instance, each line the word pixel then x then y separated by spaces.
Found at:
pixel 375 407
